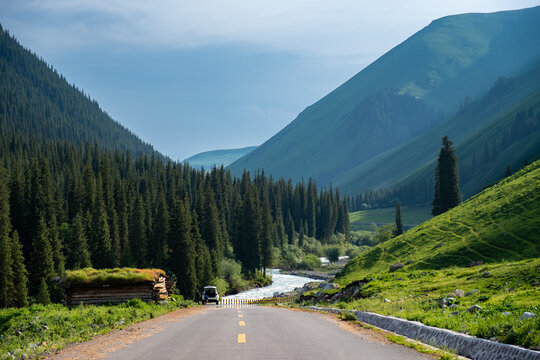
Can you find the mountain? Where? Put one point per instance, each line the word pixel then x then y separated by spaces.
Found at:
pixel 474 269
pixel 501 128
pixel 500 223
pixel 209 159
pixel 406 92
pixel 37 102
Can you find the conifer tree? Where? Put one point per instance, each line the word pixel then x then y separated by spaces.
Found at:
pixel 210 228
pixel 17 201
pixel 290 229
pixel 250 229
pixel 399 224
pixel 158 247
pixel 6 258
pixel 508 171
pixel 182 259
pixel 41 260
pixel 78 254
pixel 267 243
pixel 56 246
pixel 43 296
pixel 102 256
pixel 19 273
pixel 301 235
pixel 137 233
pixel 447 194
pixel 203 263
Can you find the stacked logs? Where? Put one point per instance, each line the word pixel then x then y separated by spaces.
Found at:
pixel 91 294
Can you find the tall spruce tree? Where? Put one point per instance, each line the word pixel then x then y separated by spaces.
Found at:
pixel 399 224
pixel 203 262
pixel 6 258
pixel 182 259
pixel 41 261
pixel 158 247
pixel 447 194
pixel 250 230
pixel 78 255
pixel 19 273
pixel 210 227
pixel 267 232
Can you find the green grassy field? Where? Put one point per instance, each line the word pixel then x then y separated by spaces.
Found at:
pixel 410 215
pixel 500 223
pixel 31 331
pixel 498 227
pixel 510 290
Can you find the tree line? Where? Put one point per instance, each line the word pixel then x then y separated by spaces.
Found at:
pixel 67 206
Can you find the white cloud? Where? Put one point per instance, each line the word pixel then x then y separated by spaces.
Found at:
pixel 327 27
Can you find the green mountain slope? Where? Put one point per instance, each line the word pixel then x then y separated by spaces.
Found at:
pixel 449 60
pixel 487 135
pixel 37 102
pixel 209 159
pixel 500 223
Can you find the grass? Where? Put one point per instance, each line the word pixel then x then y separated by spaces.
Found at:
pixel 500 223
pixel 347 315
pixel 504 296
pixel 38 329
pixel 499 227
pixel 410 215
pixel 116 276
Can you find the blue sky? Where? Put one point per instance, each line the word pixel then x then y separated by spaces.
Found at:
pixel 193 76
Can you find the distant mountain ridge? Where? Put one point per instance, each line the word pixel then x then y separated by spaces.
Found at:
pixel 37 102
pixel 209 159
pixel 450 62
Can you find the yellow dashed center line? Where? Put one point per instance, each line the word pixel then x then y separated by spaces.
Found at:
pixel 241 338
pixel 241 323
pixel 240 315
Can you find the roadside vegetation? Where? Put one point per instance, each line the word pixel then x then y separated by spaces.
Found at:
pixel 27 332
pixel 488 301
pixel 473 269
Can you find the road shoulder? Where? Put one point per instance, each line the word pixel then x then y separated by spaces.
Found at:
pixel 100 346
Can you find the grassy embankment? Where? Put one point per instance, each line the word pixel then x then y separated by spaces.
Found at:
pixel 31 331
pixel 500 227
pixel 361 221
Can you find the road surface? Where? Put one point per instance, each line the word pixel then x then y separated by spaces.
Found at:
pixel 260 332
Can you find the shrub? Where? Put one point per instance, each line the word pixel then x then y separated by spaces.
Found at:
pixel 332 253
pixel 311 262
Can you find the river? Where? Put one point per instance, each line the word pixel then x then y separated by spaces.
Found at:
pixel 280 283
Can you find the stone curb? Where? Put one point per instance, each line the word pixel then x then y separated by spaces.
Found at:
pixel 462 344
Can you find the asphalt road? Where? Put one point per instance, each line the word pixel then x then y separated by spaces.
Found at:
pixel 260 332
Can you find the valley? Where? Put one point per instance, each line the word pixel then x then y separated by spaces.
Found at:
pixel 421 173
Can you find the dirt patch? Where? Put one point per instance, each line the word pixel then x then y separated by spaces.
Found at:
pixel 100 346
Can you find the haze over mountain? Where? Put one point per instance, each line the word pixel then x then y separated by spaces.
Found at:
pixel 209 159
pixel 406 92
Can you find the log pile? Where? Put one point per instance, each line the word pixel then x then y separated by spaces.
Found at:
pixel 110 292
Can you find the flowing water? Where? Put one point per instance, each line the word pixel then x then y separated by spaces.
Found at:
pixel 280 283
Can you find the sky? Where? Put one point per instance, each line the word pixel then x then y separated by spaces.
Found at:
pixel 199 75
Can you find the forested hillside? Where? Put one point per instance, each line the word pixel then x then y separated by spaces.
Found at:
pixel 72 206
pixel 36 101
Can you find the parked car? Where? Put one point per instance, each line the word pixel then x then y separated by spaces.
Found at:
pixel 210 294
